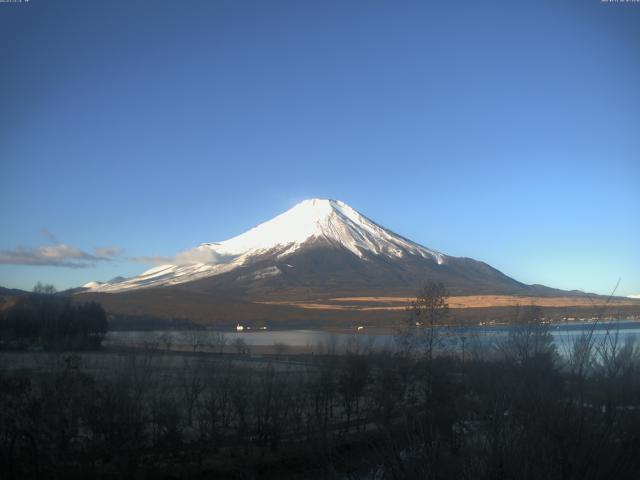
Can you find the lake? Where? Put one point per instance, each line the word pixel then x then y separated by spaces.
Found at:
pixel 563 333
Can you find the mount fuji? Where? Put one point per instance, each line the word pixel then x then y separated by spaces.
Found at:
pixel 318 250
pixel 315 243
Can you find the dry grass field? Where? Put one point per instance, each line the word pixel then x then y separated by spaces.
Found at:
pixel 468 301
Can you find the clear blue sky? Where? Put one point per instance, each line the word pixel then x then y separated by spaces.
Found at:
pixel 504 131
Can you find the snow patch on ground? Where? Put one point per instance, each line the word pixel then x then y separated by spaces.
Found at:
pixel 263 273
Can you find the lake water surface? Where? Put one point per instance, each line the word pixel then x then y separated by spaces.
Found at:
pixel 563 333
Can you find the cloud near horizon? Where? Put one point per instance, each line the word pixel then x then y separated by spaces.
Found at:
pixel 152 259
pixel 58 255
pixel 107 252
pixel 193 256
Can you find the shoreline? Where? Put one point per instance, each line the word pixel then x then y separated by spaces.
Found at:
pixel 367 329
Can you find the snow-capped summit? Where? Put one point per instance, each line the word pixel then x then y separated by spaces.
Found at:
pixel 320 219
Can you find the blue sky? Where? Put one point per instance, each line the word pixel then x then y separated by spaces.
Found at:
pixel 503 131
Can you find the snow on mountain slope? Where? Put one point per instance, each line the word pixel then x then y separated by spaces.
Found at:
pixel 331 221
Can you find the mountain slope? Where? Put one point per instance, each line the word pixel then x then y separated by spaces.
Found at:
pixel 321 269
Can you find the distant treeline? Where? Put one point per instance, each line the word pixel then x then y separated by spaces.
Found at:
pixel 50 321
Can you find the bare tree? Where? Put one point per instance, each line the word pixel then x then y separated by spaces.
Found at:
pixel 280 349
pixel 352 382
pixel 216 407
pixel 196 339
pixel 428 312
pixel 218 341
pixel 241 346
pixel 192 387
pixel 529 337
pixel 45 289
pixel 167 340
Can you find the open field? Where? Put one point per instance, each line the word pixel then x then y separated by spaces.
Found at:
pixel 467 301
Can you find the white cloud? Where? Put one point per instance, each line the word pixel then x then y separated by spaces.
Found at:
pixel 201 254
pixel 58 255
pixel 152 259
pixel 107 252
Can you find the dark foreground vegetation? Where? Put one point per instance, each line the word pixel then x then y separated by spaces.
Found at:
pixel 44 320
pixel 516 409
